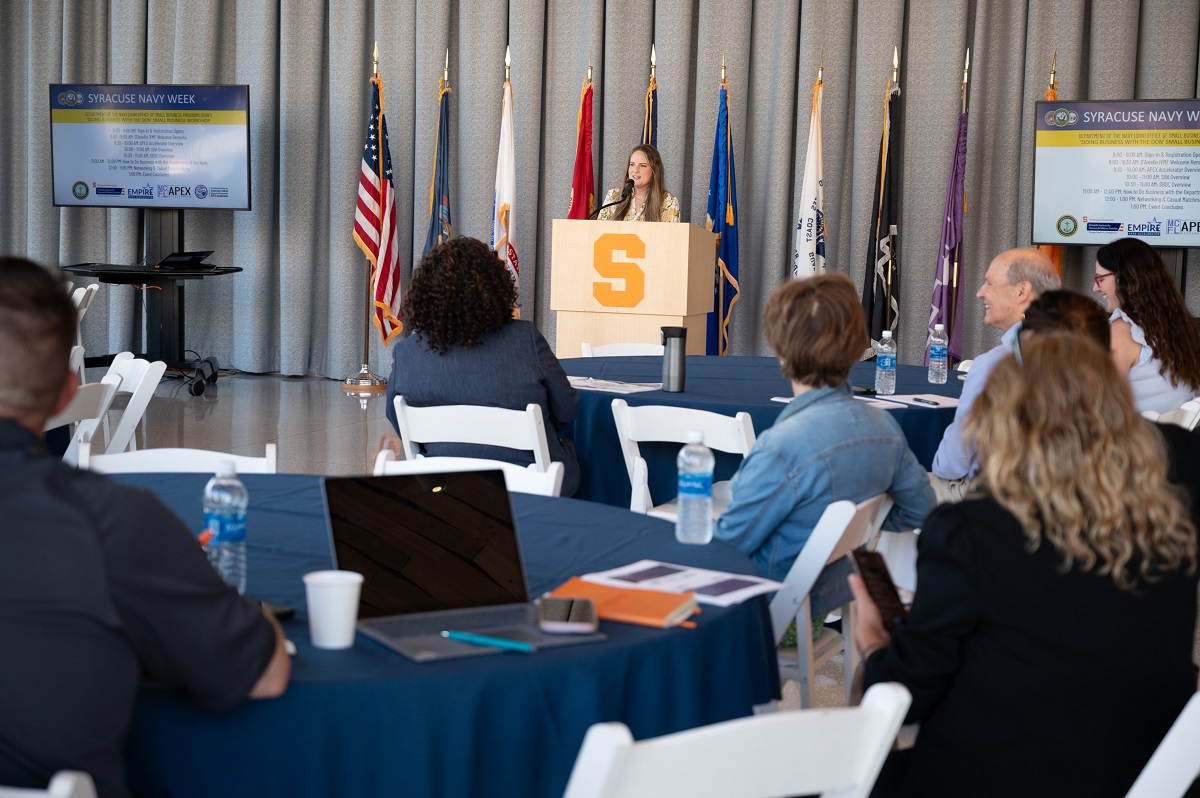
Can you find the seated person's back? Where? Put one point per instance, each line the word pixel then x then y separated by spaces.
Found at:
pixel 467 349
pixel 826 445
pixel 100 585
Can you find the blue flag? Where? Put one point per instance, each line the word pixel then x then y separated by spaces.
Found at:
pixel 650 121
pixel 722 216
pixel 439 187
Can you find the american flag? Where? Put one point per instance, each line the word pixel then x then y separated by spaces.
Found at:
pixel 375 219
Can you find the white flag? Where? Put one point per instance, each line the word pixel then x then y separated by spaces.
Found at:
pixel 503 229
pixel 809 257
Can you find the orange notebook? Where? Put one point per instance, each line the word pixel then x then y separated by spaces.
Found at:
pixel 630 605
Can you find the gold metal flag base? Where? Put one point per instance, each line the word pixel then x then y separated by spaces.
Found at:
pixel 364 382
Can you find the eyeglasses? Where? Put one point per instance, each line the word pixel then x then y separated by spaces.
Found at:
pixel 1096 280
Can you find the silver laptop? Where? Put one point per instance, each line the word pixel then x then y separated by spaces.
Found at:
pixel 437 552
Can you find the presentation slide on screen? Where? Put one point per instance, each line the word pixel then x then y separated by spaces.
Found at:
pixel 151 146
pixel 1107 170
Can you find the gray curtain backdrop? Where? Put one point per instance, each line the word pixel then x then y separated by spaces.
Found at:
pixel 299 306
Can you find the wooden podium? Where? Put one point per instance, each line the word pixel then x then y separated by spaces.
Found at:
pixel 620 282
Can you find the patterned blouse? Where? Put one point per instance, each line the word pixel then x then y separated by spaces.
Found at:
pixel 668 213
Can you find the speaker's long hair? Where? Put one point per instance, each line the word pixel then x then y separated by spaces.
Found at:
pixel 657 191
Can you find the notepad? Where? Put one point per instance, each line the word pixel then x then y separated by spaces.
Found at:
pixel 631 605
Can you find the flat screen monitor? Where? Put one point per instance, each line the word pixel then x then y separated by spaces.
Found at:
pixel 1104 170
pixel 143 146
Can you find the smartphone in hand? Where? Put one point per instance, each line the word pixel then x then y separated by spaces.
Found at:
pixel 873 570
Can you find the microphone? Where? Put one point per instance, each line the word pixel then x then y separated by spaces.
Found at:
pixel 625 192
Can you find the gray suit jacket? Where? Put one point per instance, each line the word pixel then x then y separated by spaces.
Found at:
pixel 511 368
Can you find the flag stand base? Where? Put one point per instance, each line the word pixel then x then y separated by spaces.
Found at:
pixel 364 382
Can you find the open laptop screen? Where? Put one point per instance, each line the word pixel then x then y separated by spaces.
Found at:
pixel 426 542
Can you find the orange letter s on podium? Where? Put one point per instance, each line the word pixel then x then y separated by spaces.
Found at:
pixel 605 248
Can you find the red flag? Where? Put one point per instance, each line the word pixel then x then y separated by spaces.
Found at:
pixel 583 187
pixel 375 219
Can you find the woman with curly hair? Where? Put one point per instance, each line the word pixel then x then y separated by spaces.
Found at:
pixel 1154 339
pixel 1071 565
pixel 650 200
pixel 467 349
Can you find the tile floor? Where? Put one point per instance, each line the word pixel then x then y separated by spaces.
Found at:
pixel 320 430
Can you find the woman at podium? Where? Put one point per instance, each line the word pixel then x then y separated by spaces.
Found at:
pixel 650 200
pixel 467 349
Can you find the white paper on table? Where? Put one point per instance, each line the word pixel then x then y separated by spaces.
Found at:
pixel 613 386
pixel 782 399
pixel 927 400
pixel 873 402
pixel 719 588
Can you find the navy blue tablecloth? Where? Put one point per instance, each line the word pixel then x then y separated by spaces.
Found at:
pixel 723 385
pixel 369 722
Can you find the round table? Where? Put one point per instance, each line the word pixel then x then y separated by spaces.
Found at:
pixel 723 385
pixel 367 721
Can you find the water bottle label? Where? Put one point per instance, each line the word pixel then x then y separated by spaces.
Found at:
pixel 695 485
pixel 937 352
pixel 226 528
pixel 886 362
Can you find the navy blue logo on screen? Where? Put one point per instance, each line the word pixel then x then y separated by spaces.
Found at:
pixel 1061 117
pixel 201 191
pixel 174 191
pixel 1067 225
pixel 1150 228
pixel 1104 227
pixel 108 191
pixel 1183 227
pixel 146 192
pixel 80 190
pixel 70 97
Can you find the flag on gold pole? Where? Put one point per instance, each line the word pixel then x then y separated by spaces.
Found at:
pixel 1053 251
pixel 583 186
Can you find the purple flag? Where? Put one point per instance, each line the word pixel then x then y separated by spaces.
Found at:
pixel 947 304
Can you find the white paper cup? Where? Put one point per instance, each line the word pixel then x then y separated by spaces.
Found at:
pixel 332 607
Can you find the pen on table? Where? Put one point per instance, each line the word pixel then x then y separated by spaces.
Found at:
pixel 486 640
pixel 925 401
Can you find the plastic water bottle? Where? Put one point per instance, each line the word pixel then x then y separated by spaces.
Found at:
pixel 694 524
pixel 225 502
pixel 885 365
pixel 939 355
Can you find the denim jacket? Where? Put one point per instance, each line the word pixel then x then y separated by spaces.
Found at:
pixel 824 447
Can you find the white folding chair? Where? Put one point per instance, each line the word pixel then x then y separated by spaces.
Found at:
pixel 65 784
pixel 836 753
pixel 672 424
pixel 76 363
pixel 964 365
pixel 85 410
pixel 174 461
pixel 1186 415
pixel 139 379
pixel 518 479
pixel 842 528
pixel 620 350
pixel 493 426
pixel 1175 764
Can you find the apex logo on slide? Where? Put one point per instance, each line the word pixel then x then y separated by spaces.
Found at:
pixel 174 191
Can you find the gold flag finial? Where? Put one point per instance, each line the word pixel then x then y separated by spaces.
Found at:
pixel 821 67
pixel 1053 68
pixel 376 68
pixel 653 59
pixel 507 61
pixel 446 68
pixel 895 65
pixel 589 77
pixel 966 67
pixel 722 66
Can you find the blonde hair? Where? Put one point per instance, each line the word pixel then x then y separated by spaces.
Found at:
pixel 1062 448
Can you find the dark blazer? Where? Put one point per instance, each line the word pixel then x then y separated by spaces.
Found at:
pixel 1028 680
pixel 511 368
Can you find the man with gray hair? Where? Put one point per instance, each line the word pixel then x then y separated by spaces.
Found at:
pixel 101 587
pixel 1014 278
